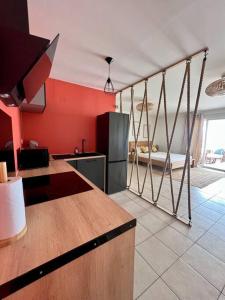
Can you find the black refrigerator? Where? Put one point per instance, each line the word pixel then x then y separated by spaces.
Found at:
pixel 112 140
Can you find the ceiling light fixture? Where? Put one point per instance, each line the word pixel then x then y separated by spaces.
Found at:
pixel 216 88
pixel 147 107
pixel 109 88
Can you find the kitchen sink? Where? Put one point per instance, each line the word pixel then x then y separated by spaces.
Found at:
pixel 71 155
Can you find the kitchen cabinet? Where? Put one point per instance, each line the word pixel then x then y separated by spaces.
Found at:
pixel 92 168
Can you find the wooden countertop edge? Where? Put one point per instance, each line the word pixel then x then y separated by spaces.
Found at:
pixel 78 158
pixel 17 283
pixel 55 167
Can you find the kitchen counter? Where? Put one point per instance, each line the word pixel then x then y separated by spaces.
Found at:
pixel 90 164
pixel 85 236
pixel 78 157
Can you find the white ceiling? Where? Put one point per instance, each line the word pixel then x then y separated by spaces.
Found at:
pixel 142 36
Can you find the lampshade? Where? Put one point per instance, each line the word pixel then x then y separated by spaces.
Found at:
pixel 147 107
pixel 216 88
pixel 109 88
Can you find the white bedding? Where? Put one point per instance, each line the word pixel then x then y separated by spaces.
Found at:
pixel 161 156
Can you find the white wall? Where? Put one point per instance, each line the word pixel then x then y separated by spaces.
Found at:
pixel 179 144
pixel 137 114
pixel 214 114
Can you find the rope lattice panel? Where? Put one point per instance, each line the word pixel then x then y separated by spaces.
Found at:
pixel 154 189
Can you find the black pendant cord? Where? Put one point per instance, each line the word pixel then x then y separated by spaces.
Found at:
pixel 109 88
pixel 109 72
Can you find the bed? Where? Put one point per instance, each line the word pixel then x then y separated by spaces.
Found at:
pixel 158 158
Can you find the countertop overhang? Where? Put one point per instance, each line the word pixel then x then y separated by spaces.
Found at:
pixel 60 231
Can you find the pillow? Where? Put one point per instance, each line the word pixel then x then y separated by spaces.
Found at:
pixel 138 149
pixel 144 149
pixel 155 148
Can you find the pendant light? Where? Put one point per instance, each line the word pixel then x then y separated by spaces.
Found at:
pixel 109 88
pixel 216 88
pixel 147 107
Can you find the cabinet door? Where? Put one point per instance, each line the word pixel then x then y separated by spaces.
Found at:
pixel 116 177
pixel 118 137
pixel 93 169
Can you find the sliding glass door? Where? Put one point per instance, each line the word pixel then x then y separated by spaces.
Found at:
pixel 214 147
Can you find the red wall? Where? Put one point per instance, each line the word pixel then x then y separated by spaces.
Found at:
pixel 6 133
pixel 14 113
pixel 69 117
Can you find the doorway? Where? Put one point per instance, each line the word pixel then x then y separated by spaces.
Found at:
pixel 214 148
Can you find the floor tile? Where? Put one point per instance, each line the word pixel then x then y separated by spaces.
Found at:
pixel 214 206
pixel 219 230
pixel 122 199
pixel 142 202
pixel 222 220
pixel 214 188
pixel 144 276
pixel 160 291
pixel 213 244
pixel 187 284
pixel 129 194
pixel 152 222
pixel 192 232
pixel 157 254
pixel 134 187
pixel 201 221
pixel 211 268
pixel 174 240
pixel 141 234
pixel 134 209
pixel 198 197
pixel 182 210
pixel 208 213
pixel 221 297
pixel 201 270
pixel 218 200
pixel 116 195
pixel 163 216
pixel 165 203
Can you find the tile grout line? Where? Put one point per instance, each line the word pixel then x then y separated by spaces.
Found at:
pixel 146 288
pixel 179 257
pixel 221 293
pixel 206 251
pixel 159 276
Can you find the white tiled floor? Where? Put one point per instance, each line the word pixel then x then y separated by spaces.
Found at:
pixel 174 261
pixel 144 275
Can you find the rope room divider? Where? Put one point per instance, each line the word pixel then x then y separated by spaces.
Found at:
pixel 162 102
